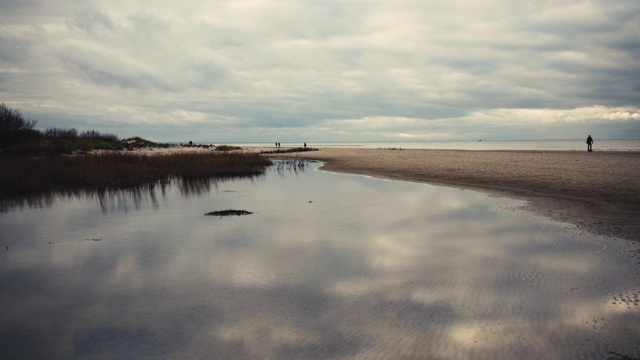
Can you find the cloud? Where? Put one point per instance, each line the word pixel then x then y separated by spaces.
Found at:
pixel 484 124
pixel 264 67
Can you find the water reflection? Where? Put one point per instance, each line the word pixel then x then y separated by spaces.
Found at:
pixel 31 201
pixel 287 166
pixel 119 199
pixel 328 266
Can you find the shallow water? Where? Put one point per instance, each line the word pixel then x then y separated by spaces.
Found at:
pixel 327 266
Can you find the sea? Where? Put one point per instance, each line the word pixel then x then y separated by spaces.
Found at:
pixel 536 145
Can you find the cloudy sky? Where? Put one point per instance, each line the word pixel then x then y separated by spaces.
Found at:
pixel 325 70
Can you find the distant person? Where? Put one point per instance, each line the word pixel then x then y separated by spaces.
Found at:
pixel 305 145
pixel 589 143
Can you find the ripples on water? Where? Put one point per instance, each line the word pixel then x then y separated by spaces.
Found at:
pixel 327 266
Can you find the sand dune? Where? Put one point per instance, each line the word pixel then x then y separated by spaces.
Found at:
pixel 598 192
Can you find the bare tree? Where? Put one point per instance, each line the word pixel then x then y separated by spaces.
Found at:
pixel 14 127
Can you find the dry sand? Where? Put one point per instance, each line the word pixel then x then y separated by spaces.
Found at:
pixel 598 192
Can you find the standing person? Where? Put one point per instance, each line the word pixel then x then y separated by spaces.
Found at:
pixel 589 143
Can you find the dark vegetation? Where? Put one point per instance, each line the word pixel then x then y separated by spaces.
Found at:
pixel 19 136
pixel 119 170
pixel 56 146
pixel 191 144
pixel 227 148
pixel 290 150
pixel 230 212
pixel 14 128
pixel 39 161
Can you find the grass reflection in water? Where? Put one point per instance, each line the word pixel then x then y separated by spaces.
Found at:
pixel 37 181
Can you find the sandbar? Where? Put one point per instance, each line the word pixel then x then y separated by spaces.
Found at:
pixel 598 192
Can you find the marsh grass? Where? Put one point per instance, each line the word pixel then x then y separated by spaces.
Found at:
pixel 119 170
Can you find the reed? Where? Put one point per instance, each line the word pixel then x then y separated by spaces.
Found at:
pixel 291 165
pixel 120 170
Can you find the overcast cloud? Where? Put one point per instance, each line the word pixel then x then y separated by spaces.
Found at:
pixel 263 70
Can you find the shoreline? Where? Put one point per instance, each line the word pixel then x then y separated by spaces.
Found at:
pixel 598 192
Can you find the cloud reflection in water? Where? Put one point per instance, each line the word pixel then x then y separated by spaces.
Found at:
pixel 328 266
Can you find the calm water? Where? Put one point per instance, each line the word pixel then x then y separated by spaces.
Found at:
pixel 542 145
pixel 327 266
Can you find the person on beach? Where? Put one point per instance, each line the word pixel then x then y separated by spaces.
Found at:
pixel 589 142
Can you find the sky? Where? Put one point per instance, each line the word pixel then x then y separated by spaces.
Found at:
pixel 325 70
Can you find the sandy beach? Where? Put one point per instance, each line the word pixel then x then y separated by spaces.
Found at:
pixel 598 192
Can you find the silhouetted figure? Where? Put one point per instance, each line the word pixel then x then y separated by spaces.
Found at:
pixel 305 145
pixel 589 143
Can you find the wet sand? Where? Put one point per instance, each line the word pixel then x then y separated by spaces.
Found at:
pixel 598 192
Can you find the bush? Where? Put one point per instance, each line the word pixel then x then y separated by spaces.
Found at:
pixel 138 142
pixel 14 128
pixel 61 133
pixel 96 135
pixel 227 148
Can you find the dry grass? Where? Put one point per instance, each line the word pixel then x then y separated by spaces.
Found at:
pixel 119 170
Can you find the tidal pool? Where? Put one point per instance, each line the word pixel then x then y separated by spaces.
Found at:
pixel 326 266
